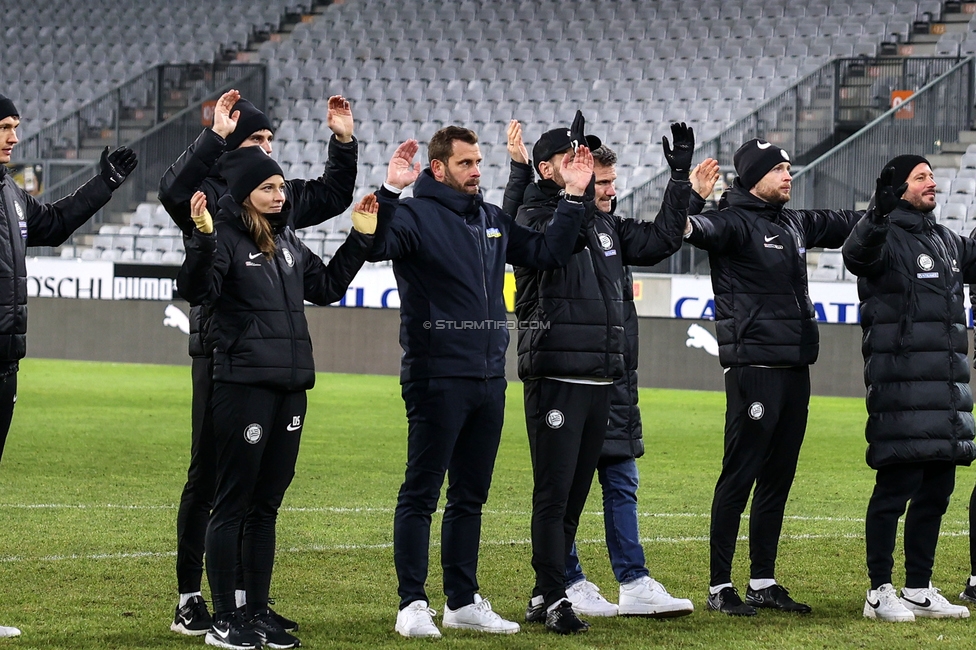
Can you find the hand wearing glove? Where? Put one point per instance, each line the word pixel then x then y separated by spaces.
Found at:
pixel 679 158
pixel 886 197
pixel 364 214
pixel 199 213
pixel 115 167
pixel 577 130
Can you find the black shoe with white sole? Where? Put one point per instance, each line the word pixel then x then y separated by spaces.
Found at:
pixel 775 597
pixel 232 632
pixel 563 620
pixel 192 619
pixel 274 634
pixel 728 602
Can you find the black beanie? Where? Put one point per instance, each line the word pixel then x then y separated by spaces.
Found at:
pixel 251 121
pixel 754 159
pixel 903 167
pixel 7 108
pixel 246 168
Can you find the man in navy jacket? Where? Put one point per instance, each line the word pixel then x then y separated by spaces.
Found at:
pixel 449 251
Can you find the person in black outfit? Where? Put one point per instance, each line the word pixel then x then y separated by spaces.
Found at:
pixel 911 274
pixel 237 123
pixel 767 334
pixel 29 223
pixel 449 249
pixel 255 274
pixel 572 346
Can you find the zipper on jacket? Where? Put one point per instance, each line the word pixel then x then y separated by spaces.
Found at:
pixel 291 324
pixel 482 237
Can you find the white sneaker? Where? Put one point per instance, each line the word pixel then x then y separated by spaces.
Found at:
pixel 883 604
pixel 478 616
pixel 930 603
pixel 7 632
pixel 645 596
pixel 586 599
pixel 417 620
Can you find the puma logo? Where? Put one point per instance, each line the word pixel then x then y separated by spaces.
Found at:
pixel 699 337
pixel 174 317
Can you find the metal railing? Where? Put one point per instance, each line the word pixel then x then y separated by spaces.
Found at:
pixel 158 148
pixel 123 113
pixel 845 176
pixel 806 120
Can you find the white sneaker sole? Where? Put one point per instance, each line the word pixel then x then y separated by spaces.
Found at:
pixel 179 629
pixel 217 643
pixel 657 611
pixel 596 613
pixel 430 634
pixel 872 613
pixel 456 625
pixel 925 613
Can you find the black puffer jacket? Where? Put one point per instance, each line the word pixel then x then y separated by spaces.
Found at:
pixel 625 433
pixel 757 254
pixel 29 223
pixel 572 319
pixel 911 272
pixel 312 201
pixel 258 329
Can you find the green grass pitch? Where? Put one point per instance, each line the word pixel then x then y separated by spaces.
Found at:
pixel 97 456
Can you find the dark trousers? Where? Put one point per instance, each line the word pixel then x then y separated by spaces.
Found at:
pixel 454 426
pixel 566 424
pixel 765 421
pixel 972 532
pixel 257 432
pixel 201 478
pixel 8 400
pixel 928 486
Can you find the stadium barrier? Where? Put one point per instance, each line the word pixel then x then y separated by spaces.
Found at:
pixel 936 113
pixel 674 353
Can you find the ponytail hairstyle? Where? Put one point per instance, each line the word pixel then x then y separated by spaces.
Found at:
pixel 260 229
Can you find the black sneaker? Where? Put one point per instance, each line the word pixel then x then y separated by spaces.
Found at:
pixel 192 619
pixel 728 602
pixel 286 624
pixel 274 634
pixel 969 593
pixel 231 631
pixel 536 611
pixel 563 620
pixel 775 597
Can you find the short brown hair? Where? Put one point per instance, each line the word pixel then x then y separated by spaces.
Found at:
pixel 441 144
pixel 604 155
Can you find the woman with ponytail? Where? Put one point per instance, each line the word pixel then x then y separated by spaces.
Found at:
pixel 248 265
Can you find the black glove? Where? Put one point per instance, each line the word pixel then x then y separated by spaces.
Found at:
pixel 886 197
pixel 116 166
pixel 679 158
pixel 576 131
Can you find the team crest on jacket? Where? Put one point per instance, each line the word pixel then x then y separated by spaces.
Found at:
pixel 756 410
pixel 925 262
pixel 492 233
pixel 252 433
pixel 289 258
pixel 555 419
pixel 606 241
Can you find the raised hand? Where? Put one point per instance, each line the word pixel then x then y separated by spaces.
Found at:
pixel 199 213
pixel 516 148
pixel 115 167
pixel 679 158
pixel 402 170
pixel 578 171
pixel 340 118
pixel 886 196
pixel 224 122
pixel 364 214
pixel 704 176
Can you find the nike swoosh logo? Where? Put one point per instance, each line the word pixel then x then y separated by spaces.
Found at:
pixel 222 634
pixel 292 427
pixel 874 605
pixel 769 239
pixel 925 603
pixel 764 145
pixel 254 256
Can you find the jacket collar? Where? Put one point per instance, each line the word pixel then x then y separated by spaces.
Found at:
pixel 745 200
pixel 428 187
pixel 542 191
pixel 907 217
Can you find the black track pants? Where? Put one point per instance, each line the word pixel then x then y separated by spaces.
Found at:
pixel 257 433
pixel 8 400
pixel 566 424
pixel 765 421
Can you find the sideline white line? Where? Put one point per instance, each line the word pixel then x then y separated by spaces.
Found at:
pixel 317 548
